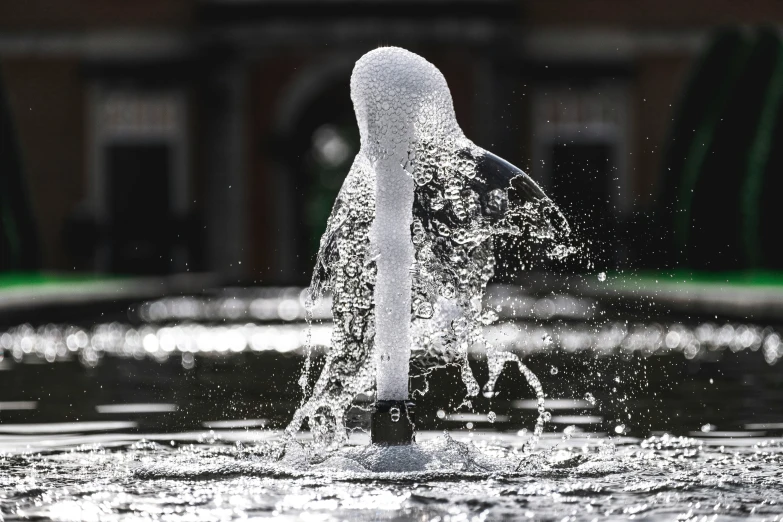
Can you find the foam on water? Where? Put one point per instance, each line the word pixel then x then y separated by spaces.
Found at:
pixel 462 197
pixel 436 458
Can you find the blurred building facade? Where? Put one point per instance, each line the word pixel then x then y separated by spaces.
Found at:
pixel 161 136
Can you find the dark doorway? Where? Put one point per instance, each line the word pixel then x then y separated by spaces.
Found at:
pixel 324 146
pixel 580 186
pixel 140 215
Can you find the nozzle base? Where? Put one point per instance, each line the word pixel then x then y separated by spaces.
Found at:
pixel 392 423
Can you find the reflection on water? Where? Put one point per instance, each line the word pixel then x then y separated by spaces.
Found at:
pixel 525 327
pixel 601 370
pixel 263 304
pixel 18 405
pixel 65 427
pixel 650 417
pixel 135 408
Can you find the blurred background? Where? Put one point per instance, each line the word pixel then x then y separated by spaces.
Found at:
pixel 160 157
pixel 167 136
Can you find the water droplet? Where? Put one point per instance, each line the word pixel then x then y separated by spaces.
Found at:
pixel 425 310
pixel 602 276
pixel 418 235
pixel 460 236
pixel 447 290
pixel 423 174
pixel 497 201
pixel 395 414
pixel 491 417
pixel 590 399
pixel 188 361
pixel 554 370
pixel 489 317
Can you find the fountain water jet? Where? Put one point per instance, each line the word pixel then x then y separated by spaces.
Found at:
pixel 408 249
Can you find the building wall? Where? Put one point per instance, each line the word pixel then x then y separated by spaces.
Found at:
pixel 649 14
pixel 47 96
pixel 269 223
pixel 657 84
pixel 94 14
pixel 52 51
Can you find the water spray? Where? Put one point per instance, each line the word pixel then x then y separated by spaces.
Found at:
pixel 408 251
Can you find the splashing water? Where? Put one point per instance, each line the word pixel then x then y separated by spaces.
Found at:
pixel 463 197
pixel 656 478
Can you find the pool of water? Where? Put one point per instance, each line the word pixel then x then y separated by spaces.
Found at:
pixel 227 475
pixel 173 410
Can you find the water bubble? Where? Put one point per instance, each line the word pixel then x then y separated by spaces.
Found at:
pixel 547 340
pixel 590 399
pixel 619 429
pixel 424 310
pixel 447 290
pixel 395 414
pixel 417 233
pixel 188 361
pixel 423 174
pixel 491 417
pixel 460 236
pixel 471 203
pixel 489 317
pixel 497 201
pixel 469 425
pixel 554 370
pixel 522 432
pixel 568 432
pixel 602 276
pixel 453 188
pixel 441 414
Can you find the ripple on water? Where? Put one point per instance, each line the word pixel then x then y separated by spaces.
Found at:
pixel 487 477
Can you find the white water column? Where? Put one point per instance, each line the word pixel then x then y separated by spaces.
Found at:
pixel 398 96
pixel 392 240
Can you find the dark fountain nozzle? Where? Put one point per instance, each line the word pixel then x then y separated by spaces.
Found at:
pixel 392 423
